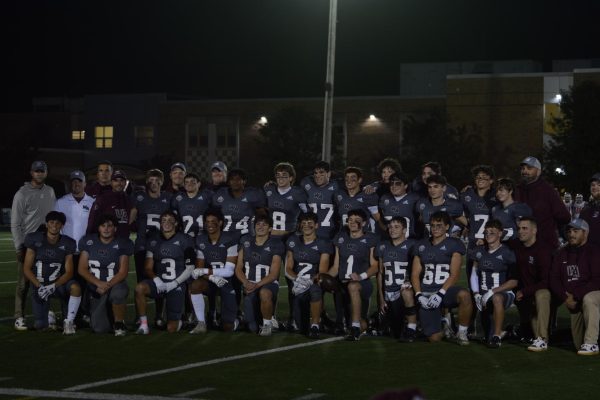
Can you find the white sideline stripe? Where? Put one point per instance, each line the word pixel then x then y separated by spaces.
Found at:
pixel 310 396
pixel 6 262
pixel 7 282
pixel 193 392
pixel 82 395
pixel 201 364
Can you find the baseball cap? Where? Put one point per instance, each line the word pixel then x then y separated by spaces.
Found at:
pixel 220 165
pixel 56 216
pixel 77 175
pixel 532 162
pixel 118 174
pixel 179 165
pixel 579 223
pixel 39 166
pixel 595 177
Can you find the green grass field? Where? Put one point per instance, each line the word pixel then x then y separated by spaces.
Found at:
pixel 285 366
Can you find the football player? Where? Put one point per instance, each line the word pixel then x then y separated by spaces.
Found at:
pixel 321 191
pixel 395 293
pixel 176 175
pixel 399 203
pixel 351 197
pixel 166 272
pixel 438 201
pixel 430 168
pixel 191 204
pixel 354 264
pixel 435 271
pixel 508 211
pixel 216 256
pixel 258 267
pixel 492 279
pixel 307 256
pixel 285 202
pixel 48 266
pixel 104 264
pixel 386 168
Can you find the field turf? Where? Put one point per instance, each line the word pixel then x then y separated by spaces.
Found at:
pixel 285 366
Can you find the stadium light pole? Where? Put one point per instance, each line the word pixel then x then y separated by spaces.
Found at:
pixel 328 112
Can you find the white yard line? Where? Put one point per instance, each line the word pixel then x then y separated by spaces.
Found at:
pixel 7 282
pixel 194 392
pixel 82 395
pixel 201 364
pixel 310 396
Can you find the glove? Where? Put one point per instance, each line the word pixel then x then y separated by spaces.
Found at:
pixel 478 302
pixel 160 285
pixel 171 286
pixel 197 273
pixel 43 292
pixel 488 295
pixel 435 301
pixel 218 280
pixel 301 285
pixel 423 302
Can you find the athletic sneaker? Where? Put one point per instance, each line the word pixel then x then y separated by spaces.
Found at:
pixel 588 349
pixel 275 323
pixel 462 338
pixel 495 342
pixel 409 336
pixel 314 332
pixel 354 334
pixel 20 324
pixel 51 320
pixel 266 330
pixel 199 328
pixel 68 327
pixel 538 345
pixel 448 332
pixel 143 330
pixel 120 328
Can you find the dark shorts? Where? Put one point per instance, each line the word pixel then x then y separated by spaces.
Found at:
pixel 229 307
pixel 431 320
pixel 366 290
pixel 508 300
pixel 175 299
pixel 101 320
pixel 40 308
pixel 252 304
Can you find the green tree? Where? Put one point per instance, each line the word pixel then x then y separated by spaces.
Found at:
pixel 575 147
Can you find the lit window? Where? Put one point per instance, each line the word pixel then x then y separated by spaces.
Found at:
pixel 78 135
pixel 144 136
pixel 104 137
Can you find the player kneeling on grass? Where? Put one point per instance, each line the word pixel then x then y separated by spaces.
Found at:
pixel 395 294
pixel 48 266
pixel 104 264
pixel 354 264
pixel 435 271
pixel 216 256
pixel 258 266
pixel 307 256
pixel 492 278
pixel 166 271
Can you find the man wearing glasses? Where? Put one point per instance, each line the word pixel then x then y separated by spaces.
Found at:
pixel 399 203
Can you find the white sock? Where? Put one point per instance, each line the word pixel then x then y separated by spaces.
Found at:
pixel 72 307
pixel 356 324
pixel 313 325
pixel 267 322
pixel 412 326
pixel 143 320
pixel 198 304
pixel 462 328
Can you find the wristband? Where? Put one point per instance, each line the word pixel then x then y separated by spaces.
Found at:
pixel 441 292
pixel 418 294
pixel 363 276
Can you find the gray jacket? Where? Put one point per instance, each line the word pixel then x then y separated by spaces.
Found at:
pixel 29 208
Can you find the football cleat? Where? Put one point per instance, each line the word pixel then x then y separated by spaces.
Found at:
pixel 409 336
pixel 20 324
pixel 199 328
pixel 495 342
pixel 538 345
pixel 588 349
pixel 51 320
pixel 447 329
pixel 354 334
pixel 462 338
pixel 275 323
pixel 143 330
pixel 68 327
pixel 314 332
pixel 266 330
pixel 339 330
pixel 120 328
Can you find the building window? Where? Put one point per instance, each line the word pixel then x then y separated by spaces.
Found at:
pixel 198 138
pixel 78 135
pixel 144 136
pixel 104 137
pixel 226 135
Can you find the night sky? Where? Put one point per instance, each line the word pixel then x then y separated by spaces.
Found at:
pixel 269 48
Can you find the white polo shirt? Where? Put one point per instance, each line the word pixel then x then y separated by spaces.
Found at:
pixel 77 214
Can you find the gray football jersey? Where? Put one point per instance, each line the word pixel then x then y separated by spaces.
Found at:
pixel 49 262
pixel 435 260
pixel 239 212
pixel 191 210
pixel 169 254
pixel 258 259
pixel 103 258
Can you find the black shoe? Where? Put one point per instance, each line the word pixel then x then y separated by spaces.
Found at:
pixel 339 330
pixel 409 336
pixel 314 332
pixel 495 342
pixel 354 334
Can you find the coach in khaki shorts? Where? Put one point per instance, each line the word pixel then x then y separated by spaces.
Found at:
pixel 576 280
